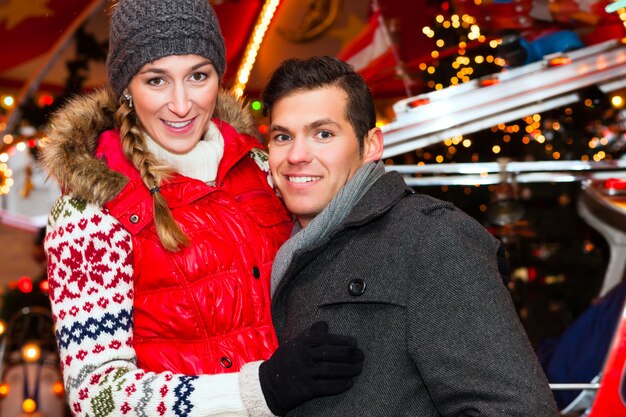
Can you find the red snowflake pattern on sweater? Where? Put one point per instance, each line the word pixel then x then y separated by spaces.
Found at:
pixel 90 272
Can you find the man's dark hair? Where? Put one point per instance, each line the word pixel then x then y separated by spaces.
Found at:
pixel 298 75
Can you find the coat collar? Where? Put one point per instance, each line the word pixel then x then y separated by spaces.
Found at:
pixel 385 193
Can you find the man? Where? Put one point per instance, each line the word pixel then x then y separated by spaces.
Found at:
pixel 413 279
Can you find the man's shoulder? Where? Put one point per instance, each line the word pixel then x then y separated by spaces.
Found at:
pixel 419 207
pixel 424 215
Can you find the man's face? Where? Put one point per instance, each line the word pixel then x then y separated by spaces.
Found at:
pixel 313 149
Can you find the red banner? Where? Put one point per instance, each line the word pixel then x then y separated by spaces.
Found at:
pixel 30 28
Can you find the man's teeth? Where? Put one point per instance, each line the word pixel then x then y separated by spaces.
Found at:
pixel 177 125
pixel 303 179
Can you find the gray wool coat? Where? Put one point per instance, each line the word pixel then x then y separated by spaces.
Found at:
pixel 416 282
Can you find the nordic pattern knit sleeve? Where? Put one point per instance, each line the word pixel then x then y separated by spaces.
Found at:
pixel 90 273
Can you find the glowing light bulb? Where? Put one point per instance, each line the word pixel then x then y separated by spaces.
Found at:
pixel 31 352
pixel 29 406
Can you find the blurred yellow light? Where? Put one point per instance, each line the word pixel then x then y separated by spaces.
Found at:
pixel 496 149
pixel 31 352
pixel 617 101
pixel 4 390
pixel 29 406
pixel 58 388
pixel 243 74
pixel 8 101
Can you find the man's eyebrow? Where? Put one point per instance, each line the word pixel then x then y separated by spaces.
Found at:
pixel 321 122
pixel 310 126
pixel 278 128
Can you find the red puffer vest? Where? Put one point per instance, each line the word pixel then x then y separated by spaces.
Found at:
pixel 206 308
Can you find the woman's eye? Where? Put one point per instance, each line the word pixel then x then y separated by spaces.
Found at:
pixel 156 81
pixel 198 76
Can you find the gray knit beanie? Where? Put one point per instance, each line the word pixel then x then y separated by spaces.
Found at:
pixel 143 31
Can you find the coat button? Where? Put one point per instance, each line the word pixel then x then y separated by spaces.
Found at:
pixel 256 273
pixel 226 362
pixel 134 219
pixel 356 287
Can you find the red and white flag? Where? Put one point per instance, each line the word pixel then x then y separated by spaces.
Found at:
pixel 372 50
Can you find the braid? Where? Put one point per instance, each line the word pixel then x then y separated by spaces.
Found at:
pixel 152 173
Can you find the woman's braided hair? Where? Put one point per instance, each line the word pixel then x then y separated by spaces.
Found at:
pixel 152 173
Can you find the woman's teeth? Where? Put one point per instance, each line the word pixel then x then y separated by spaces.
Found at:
pixel 177 125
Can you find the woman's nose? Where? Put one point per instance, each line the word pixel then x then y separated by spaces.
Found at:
pixel 180 103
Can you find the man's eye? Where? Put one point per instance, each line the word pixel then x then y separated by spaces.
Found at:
pixel 281 138
pixel 324 134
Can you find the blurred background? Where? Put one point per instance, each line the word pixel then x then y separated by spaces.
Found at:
pixel 511 109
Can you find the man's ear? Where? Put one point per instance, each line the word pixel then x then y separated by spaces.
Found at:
pixel 373 145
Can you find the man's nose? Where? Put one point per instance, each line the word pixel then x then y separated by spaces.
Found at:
pixel 299 152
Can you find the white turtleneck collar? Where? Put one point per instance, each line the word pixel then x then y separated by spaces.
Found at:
pixel 201 162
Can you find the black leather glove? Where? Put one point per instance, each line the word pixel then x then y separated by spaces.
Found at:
pixel 314 364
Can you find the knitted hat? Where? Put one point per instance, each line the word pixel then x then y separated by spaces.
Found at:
pixel 143 31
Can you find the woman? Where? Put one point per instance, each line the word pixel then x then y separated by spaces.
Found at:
pixel 161 247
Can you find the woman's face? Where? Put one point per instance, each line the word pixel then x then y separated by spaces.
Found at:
pixel 174 98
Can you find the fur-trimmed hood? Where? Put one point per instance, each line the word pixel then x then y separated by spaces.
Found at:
pixel 68 152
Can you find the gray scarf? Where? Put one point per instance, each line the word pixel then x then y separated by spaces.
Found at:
pixel 325 222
